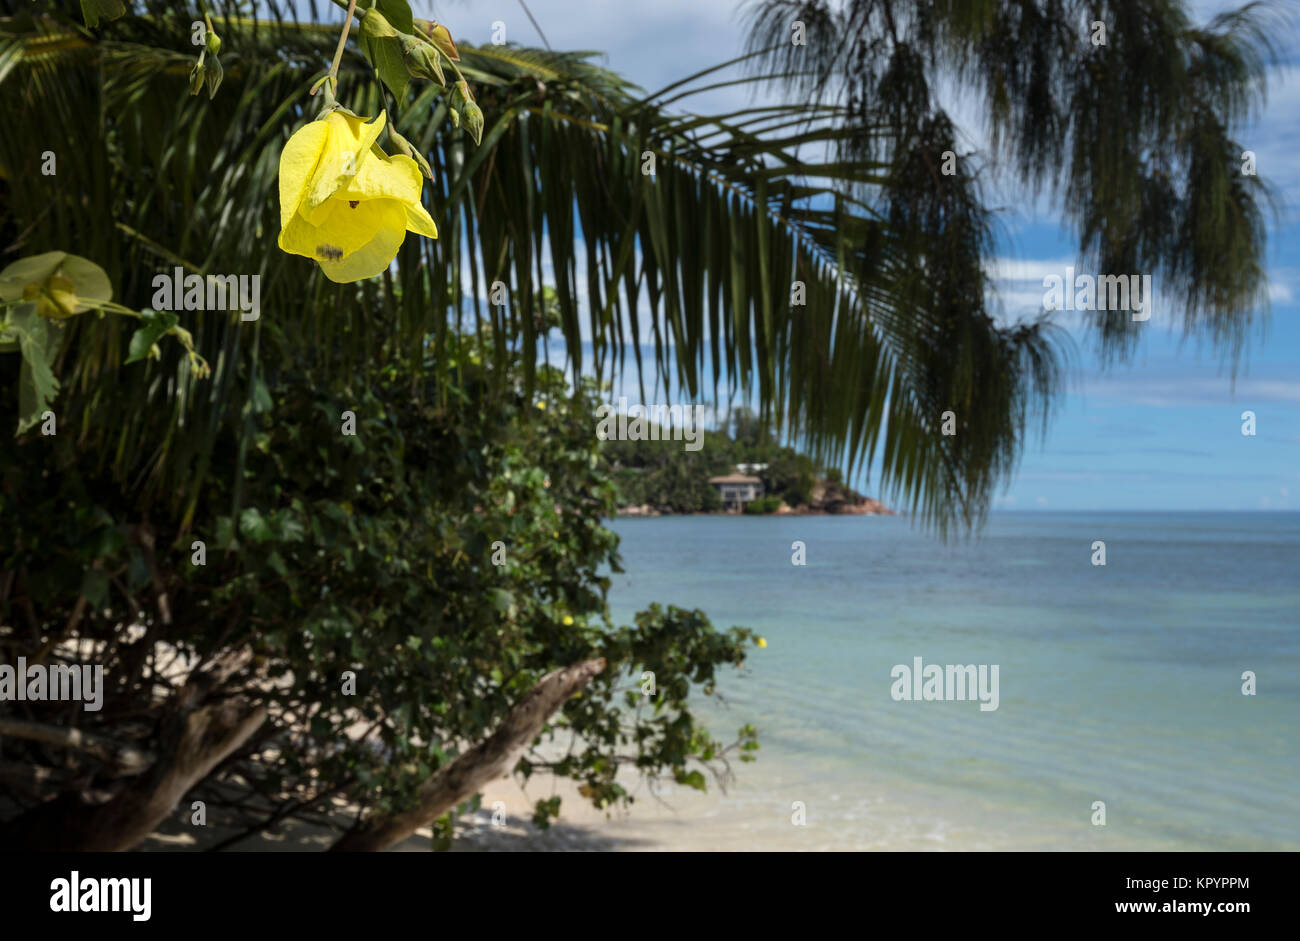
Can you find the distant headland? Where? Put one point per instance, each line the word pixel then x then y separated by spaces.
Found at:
pixel 740 470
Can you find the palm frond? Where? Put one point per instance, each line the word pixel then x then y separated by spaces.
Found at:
pixel 698 260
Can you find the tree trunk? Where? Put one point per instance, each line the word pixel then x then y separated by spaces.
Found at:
pixel 484 762
pixel 119 758
pixel 195 739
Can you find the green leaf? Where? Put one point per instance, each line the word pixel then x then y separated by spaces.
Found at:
pixel 444 830
pixel 260 397
pixel 94 587
pixel 109 541
pixel 253 525
pixel 693 779
pixel 384 50
pixel 503 601
pixel 156 324
pixel 290 528
pixel 398 12
pixel 90 282
pixel 93 10
pixel 225 531
pixel 138 573
pixel 38 339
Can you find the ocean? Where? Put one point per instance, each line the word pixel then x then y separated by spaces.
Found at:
pixel 1119 684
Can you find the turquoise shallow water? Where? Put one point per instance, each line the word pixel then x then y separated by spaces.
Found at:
pixel 1119 683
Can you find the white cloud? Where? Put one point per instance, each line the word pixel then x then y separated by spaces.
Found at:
pixel 1170 393
pixel 1026 269
pixel 1279 285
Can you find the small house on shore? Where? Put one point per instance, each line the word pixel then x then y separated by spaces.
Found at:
pixel 737 489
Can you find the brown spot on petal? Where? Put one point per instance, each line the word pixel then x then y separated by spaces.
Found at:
pixel 352 203
pixel 332 252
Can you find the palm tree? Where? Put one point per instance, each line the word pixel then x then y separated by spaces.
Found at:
pixel 895 329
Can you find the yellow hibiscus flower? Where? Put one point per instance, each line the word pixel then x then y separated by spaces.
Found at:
pixel 346 203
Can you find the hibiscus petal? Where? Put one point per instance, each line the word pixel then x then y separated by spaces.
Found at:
pixel 397 177
pixel 349 242
pixel 419 221
pixel 298 163
pixel 356 132
pixel 394 177
pixel 346 150
pixel 369 260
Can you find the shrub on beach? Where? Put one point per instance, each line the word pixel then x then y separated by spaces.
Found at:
pixel 384 598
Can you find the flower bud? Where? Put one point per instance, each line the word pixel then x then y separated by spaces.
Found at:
pixel 213 42
pixel 215 74
pixel 196 76
pixel 403 146
pixel 440 36
pixel 422 60
pixel 474 121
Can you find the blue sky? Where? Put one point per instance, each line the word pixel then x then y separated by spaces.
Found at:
pixel 1162 431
